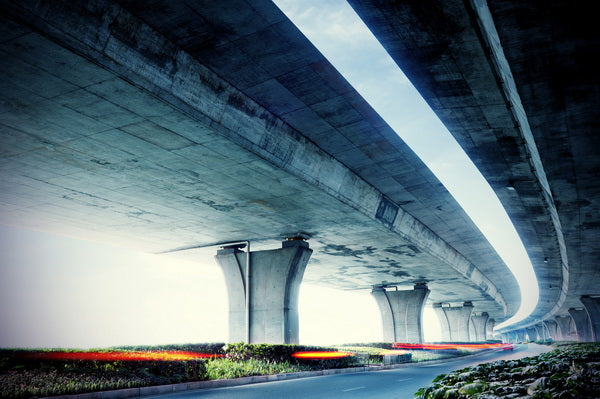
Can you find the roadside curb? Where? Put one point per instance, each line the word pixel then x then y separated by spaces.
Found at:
pixel 187 386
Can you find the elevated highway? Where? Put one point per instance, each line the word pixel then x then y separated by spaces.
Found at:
pixel 166 126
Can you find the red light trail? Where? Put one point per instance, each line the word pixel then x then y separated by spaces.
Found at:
pixel 122 356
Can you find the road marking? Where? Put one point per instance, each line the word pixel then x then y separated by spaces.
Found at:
pixel 404 379
pixel 352 389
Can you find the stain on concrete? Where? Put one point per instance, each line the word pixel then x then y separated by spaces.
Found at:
pixel 100 162
pixel 212 204
pixel 400 273
pixel 470 270
pixel 405 250
pixel 342 250
pixel 386 212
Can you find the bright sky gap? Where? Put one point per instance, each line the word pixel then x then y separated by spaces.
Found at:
pixel 340 35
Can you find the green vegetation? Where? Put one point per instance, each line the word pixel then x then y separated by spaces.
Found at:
pixel 572 371
pixel 30 373
pixel 217 369
pixel 22 377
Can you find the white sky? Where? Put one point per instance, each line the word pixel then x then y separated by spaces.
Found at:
pixel 341 36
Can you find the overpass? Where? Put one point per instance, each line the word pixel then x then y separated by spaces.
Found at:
pixel 166 126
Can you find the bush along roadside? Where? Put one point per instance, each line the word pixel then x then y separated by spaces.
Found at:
pixel 569 372
pixel 24 376
pixel 45 372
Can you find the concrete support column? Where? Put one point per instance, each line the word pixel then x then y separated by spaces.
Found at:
pixel 479 325
pixel 445 327
pixel 521 335
pixel 505 337
pixel 541 331
pixel 592 306
pixel 402 313
pixel 456 320
pixel 565 331
pixel 274 284
pixel 582 324
pixel 531 334
pixel 489 329
pixel 552 328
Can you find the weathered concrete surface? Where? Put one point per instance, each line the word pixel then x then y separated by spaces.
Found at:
pixel 592 307
pixel 402 313
pixel 454 321
pixel 516 85
pixel 566 328
pixel 489 329
pixel 479 323
pixel 120 125
pixel 275 277
pixel 583 327
pixel 552 328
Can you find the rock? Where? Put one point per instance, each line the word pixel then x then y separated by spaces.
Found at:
pixel 539 384
pixel 451 394
pixel 472 388
pixel 464 376
pixel 437 394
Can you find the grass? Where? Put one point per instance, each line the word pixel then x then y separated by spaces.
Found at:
pixel 32 383
pixel 226 368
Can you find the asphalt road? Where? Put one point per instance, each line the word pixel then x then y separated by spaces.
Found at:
pixel 398 383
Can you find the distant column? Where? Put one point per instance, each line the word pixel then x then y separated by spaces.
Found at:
pixel 505 337
pixel 521 335
pixel 275 277
pixel 444 325
pixel 564 327
pixel 479 325
pixel 489 329
pixel 582 324
pixel 531 334
pixel 592 306
pixel 457 319
pixel 552 328
pixel 402 313
pixel 541 331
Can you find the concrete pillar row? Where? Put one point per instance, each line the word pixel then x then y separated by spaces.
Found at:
pixel 565 330
pixel 582 324
pixel 402 313
pixel 521 335
pixel 592 306
pixel 274 285
pixel 489 329
pixel 479 323
pixel 531 334
pixel 454 321
pixel 552 328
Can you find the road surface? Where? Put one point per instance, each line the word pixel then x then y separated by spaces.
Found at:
pixel 396 383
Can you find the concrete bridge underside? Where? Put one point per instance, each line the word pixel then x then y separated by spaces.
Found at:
pixel 516 84
pixel 165 125
pixel 117 129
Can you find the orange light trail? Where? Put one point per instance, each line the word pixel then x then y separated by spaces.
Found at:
pixel 122 355
pixel 321 355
